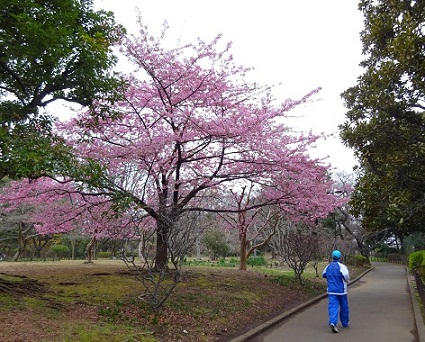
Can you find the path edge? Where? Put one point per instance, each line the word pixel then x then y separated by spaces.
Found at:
pixel 419 323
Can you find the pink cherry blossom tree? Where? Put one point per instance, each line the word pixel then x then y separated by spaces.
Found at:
pixel 57 207
pixel 191 123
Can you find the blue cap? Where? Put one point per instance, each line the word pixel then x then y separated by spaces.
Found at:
pixel 336 255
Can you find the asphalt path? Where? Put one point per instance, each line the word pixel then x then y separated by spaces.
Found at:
pixel 380 310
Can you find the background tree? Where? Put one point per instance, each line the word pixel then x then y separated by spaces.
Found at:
pixel 215 242
pixel 254 221
pixel 49 50
pixel 385 121
pixel 76 241
pixel 414 242
pixel 343 228
pixel 21 234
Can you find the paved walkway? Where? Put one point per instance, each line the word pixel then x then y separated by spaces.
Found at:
pixel 380 310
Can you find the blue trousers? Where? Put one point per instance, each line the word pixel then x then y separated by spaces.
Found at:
pixel 338 303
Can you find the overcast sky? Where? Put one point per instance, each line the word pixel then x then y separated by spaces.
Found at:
pixel 300 44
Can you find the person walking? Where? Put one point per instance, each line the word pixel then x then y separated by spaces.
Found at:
pixel 337 277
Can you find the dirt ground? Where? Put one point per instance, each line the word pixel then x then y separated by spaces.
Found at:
pixel 217 304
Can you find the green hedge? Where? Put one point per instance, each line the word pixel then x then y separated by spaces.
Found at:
pixel 356 260
pixel 416 259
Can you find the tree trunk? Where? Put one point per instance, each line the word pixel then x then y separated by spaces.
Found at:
pixel 17 255
pixel 161 255
pixel 243 249
pixel 365 251
pixel 39 243
pixel 73 245
pixel 90 248
pixel 21 244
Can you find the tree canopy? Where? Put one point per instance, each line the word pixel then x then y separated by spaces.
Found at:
pixel 49 50
pixel 385 120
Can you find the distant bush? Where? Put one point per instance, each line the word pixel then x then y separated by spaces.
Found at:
pixel 416 259
pixel 257 261
pixel 59 251
pixel 356 260
pixel 104 255
pixel 215 242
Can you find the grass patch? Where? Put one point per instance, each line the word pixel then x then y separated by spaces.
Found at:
pixel 107 332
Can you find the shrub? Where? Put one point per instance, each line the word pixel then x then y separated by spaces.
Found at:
pixel 356 260
pixel 416 259
pixel 215 242
pixel 59 251
pixel 104 255
pixel 257 261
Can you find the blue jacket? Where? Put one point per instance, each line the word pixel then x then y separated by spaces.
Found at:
pixel 337 276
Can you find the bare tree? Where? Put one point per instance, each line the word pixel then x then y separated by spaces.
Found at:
pixel 296 245
pixel 159 284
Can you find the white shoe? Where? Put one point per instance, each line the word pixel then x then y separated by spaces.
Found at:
pixel 333 328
